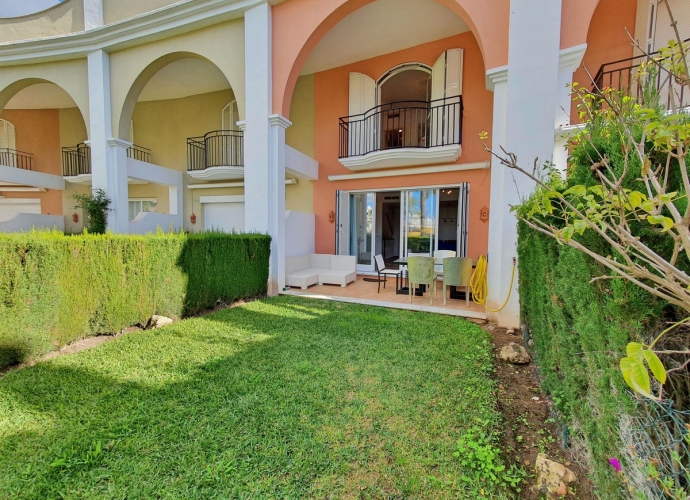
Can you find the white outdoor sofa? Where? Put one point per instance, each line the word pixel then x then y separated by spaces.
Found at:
pixel 306 270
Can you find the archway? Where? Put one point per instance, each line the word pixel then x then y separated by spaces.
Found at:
pixel 47 126
pixel 291 50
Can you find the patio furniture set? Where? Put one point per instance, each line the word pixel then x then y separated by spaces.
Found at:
pixel 422 270
pixel 416 273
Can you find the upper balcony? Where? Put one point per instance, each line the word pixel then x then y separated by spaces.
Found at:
pixel 623 75
pixel 402 134
pixel 217 155
pixel 16 159
pixel 76 161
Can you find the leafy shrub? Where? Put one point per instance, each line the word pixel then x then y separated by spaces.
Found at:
pixel 96 206
pixel 580 331
pixel 55 288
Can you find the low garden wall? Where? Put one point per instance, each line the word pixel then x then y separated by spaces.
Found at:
pixel 55 288
pixel 580 331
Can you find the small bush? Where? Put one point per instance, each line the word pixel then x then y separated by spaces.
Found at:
pixel 55 288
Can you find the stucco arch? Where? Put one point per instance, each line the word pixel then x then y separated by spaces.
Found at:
pixel 299 25
pixel 70 76
pixel 131 69
pixel 576 17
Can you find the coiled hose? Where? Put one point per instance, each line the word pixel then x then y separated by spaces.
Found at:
pixel 480 286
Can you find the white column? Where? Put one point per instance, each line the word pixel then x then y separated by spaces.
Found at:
pixel 264 144
pixel 531 95
pixel 93 14
pixel 108 154
pixel 569 60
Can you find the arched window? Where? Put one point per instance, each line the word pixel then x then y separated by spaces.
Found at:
pixel 411 106
pixel 7 137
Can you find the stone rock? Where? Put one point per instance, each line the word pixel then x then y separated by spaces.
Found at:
pixel 158 321
pixel 491 328
pixel 515 354
pixel 510 331
pixel 530 343
pixel 552 478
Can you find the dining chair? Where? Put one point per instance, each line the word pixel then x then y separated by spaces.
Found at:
pixel 439 256
pixel 384 273
pixel 421 272
pixel 457 272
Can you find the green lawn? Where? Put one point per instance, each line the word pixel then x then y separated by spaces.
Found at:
pixel 281 398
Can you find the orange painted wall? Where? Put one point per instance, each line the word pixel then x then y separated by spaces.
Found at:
pixel 38 132
pixel 331 102
pixel 298 26
pixel 607 40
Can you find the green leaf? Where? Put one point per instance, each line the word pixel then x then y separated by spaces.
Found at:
pixel 666 222
pixel 634 351
pixel 567 233
pixel 580 226
pixel 648 206
pixel 636 198
pixel 596 190
pixel 655 365
pixel 639 377
pixel 666 198
pixel 547 204
pixel 625 370
pixel 578 190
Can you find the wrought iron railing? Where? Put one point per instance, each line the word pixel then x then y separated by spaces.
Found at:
pixel 139 153
pixel 402 124
pixel 621 75
pixel 16 159
pixel 76 160
pixel 220 148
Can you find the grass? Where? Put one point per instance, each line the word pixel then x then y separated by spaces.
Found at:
pixel 281 398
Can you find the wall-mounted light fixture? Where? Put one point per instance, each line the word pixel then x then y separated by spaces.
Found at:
pixel 75 217
pixel 484 214
pixel 192 219
pixel 331 216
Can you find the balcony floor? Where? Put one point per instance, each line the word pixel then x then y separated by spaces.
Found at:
pixel 365 292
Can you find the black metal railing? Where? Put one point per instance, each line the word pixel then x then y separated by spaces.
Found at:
pixel 621 75
pixel 139 153
pixel 16 159
pixel 402 124
pixel 220 148
pixel 76 160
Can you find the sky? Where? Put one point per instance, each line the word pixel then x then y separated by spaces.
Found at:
pixel 16 8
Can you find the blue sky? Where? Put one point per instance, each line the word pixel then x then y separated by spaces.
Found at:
pixel 15 8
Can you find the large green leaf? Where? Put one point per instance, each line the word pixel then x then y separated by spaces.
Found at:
pixel 655 365
pixel 639 377
pixel 634 351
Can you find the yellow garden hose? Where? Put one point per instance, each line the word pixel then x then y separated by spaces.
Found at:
pixel 480 286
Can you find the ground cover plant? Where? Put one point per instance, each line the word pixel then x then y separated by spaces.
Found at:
pixel 56 288
pixel 281 398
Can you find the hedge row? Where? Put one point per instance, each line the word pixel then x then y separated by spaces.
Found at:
pixel 56 288
pixel 580 330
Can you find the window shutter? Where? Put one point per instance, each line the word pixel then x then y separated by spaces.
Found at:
pixel 11 138
pixel 438 78
pixel 463 219
pixel 342 226
pixel 361 132
pixel 7 138
pixel 453 85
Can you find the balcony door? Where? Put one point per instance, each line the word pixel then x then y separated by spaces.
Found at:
pixel 356 227
pixel 229 142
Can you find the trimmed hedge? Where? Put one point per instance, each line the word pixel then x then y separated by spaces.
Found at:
pixel 580 331
pixel 55 288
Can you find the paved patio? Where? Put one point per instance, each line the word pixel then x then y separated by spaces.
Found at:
pixel 366 292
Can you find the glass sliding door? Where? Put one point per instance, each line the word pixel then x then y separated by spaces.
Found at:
pixel 362 228
pixel 419 221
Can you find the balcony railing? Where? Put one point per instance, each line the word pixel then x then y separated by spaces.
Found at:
pixel 220 148
pixel 621 75
pixel 139 153
pixel 16 159
pixel 76 160
pixel 403 124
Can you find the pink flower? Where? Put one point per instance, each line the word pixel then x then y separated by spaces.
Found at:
pixel 615 464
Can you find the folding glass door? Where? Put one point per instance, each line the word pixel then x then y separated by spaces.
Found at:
pixel 419 221
pixel 362 228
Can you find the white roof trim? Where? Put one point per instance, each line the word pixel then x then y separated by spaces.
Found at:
pixel 181 17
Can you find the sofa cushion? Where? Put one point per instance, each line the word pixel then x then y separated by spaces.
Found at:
pixel 318 261
pixel 337 277
pixel 302 278
pixel 344 263
pixel 296 263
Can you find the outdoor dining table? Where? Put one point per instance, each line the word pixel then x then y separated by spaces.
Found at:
pixel 419 292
